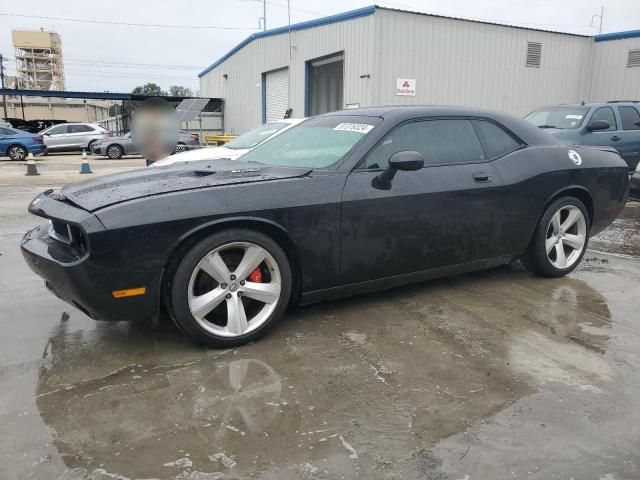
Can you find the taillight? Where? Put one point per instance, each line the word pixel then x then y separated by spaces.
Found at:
pixel 196 137
pixel 37 139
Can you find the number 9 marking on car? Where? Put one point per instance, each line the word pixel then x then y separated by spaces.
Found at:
pixel 575 157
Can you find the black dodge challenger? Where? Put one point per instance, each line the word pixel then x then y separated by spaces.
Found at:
pixel 344 203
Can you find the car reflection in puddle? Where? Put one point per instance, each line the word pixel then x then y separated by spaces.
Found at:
pixel 358 387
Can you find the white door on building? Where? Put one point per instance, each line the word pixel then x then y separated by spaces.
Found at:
pixel 276 93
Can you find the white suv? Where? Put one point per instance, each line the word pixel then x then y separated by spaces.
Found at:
pixel 73 136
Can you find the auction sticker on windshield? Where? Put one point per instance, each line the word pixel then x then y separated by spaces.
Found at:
pixel 355 127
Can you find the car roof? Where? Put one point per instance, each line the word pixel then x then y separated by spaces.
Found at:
pixel 525 130
pixel 635 103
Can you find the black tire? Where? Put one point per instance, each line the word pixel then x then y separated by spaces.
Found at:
pixel 88 149
pixel 114 152
pixel 535 258
pixel 178 287
pixel 17 152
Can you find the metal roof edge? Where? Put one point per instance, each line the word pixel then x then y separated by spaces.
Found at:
pixel 18 92
pixel 605 37
pixel 483 22
pixel 340 17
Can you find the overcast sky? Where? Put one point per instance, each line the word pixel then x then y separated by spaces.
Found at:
pixel 92 50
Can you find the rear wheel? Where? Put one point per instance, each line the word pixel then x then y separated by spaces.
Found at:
pixel 230 288
pixel 114 151
pixel 17 152
pixel 560 240
pixel 90 146
pixel 180 147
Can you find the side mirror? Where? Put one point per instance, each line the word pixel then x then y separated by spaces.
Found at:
pixel 598 125
pixel 407 161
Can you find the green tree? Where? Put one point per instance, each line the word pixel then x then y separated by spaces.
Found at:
pixel 179 91
pixel 148 89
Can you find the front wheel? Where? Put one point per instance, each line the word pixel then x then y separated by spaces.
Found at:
pixel 560 240
pixel 230 288
pixel 114 152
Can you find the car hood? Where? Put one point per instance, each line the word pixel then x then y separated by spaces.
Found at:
pixel 564 135
pixel 109 190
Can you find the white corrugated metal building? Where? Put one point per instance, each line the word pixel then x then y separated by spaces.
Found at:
pixel 381 56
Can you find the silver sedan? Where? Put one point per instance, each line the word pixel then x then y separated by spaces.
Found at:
pixel 116 147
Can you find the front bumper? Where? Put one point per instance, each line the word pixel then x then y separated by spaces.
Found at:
pixel 98 149
pixel 88 283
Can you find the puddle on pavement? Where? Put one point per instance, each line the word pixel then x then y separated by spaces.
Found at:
pixel 357 388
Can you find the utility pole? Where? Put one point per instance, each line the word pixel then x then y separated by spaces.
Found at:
pixel 4 97
pixel 601 16
pixel 264 15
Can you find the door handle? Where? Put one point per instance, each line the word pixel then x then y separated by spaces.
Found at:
pixel 615 138
pixel 482 177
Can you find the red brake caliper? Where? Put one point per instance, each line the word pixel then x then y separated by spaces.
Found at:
pixel 255 276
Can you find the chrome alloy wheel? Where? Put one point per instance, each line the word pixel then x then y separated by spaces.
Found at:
pixel 234 289
pixel 114 152
pixel 566 236
pixel 16 152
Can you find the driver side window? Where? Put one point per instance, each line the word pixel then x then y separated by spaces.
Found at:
pixel 605 113
pixel 440 142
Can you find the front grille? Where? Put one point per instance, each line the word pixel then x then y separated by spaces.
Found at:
pixel 60 231
pixel 68 234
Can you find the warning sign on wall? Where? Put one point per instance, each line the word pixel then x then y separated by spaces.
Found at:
pixel 406 87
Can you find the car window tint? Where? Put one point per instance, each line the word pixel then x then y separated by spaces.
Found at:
pixel 79 128
pixel 630 118
pixel 495 140
pixel 439 141
pixel 4 131
pixel 58 130
pixel 605 113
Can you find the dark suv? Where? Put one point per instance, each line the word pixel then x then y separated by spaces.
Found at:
pixel 612 124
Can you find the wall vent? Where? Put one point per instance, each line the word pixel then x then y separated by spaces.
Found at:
pixel 534 54
pixel 634 58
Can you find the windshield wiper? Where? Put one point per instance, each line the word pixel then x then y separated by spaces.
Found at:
pixel 547 126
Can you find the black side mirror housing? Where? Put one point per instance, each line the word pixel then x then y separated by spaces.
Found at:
pixel 407 161
pixel 598 125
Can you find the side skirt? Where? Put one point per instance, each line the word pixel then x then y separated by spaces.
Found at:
pixel 404 279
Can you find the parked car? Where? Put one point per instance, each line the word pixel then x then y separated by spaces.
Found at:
pixel 116 147
pixel 236 147
pixel 69 137
pixel 614 124
pixel 17 144
pixel 344 203
pixel 634 192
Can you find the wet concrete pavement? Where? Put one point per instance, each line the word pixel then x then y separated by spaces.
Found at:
pixel 491 375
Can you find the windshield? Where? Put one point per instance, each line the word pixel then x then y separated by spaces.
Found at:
pixel 256 136
pixel 558 117
pixel 315 143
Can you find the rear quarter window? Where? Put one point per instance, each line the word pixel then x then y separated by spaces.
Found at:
pixel 630 118
pixel 495 140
